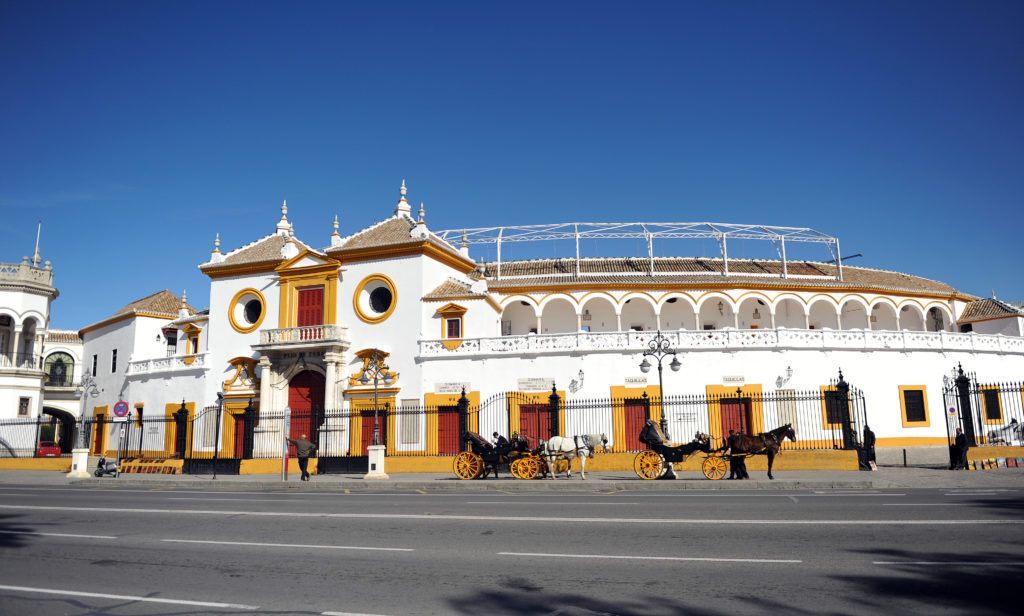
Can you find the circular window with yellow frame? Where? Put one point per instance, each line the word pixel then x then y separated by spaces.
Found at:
pixel 375 298
pixel 246 311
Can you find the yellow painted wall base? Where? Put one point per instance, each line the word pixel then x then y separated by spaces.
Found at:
pixel 984 453
pixel 36 464
pixel 273 466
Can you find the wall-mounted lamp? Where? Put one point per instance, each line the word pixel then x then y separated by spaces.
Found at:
pixel 757 314
pixel 721 308
pixel 781 381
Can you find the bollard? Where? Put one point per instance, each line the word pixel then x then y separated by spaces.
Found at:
pixel 904 458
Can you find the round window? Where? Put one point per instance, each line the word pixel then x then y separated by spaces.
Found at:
pixel 247 310
pixel 253 311
pixel 375 298
pixel 380 300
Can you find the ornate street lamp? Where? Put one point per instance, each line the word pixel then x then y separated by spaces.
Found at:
pixel 659 348
pixel 377 370
pixel 87 389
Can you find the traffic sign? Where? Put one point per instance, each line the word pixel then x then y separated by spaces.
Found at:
pixel 121 409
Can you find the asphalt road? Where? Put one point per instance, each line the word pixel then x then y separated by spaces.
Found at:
pixel 90 551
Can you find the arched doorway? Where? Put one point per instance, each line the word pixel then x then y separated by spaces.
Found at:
pixel 62 431
pixel 306 401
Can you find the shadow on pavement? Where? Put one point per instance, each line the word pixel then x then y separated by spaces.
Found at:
pixel 523 597
pixel 14 535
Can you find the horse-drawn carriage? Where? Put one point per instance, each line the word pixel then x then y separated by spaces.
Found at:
pixel 484 457
pixel 653 463
pixel 525 462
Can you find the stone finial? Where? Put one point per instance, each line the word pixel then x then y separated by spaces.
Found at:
pixel 422 214
pixel 420 230
pixel 215 254
pixel 402 207
pixel 336 236
pixel 216 243
pixel 464 245
pixel 183 308
pixel 283 226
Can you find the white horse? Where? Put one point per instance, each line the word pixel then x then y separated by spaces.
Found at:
pixel 581 446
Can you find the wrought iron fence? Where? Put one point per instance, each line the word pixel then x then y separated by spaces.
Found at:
pixel 989 414
pixel 36 437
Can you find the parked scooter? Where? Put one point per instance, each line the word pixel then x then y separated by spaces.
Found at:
pixel 106 467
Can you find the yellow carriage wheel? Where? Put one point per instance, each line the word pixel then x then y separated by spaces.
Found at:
pixel 714 467
pixel 648 464
pixel 468 465
pixel 531 467
pixel 516 468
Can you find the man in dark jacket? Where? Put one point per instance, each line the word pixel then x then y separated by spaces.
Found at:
pixel 303 449
pixel 500 441
pixel 960 447
pixel 651 435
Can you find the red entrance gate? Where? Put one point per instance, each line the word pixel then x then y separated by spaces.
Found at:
pixel 306 401
pixel 735 415
pixel 535 421
pixel 637 414
pixel 448 430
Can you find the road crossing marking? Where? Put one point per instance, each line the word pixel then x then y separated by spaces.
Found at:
pixel 97 595
pixel 29 532
pixel 289 545
pixel 673 558
pixel 495 518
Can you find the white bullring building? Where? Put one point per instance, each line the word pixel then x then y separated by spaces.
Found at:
pixel 297 323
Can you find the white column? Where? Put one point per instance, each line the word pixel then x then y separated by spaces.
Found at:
pixel 16 348
pixel 330 392
pixel 266 376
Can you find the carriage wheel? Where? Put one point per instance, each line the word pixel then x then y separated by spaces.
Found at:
pixel 516 468
pixel 648 464
pixel 714 467
pixel 468 465
pixel 529 467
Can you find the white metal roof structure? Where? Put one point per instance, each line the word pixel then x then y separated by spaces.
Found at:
pixel 648 231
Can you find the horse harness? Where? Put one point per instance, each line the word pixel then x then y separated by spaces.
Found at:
pixel 576 438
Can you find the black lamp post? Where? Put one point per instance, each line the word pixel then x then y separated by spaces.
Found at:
pixel 378 371
pixel 659 348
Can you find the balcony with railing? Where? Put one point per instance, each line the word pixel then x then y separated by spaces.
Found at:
pixel 311 336
pixel 21 362
pixel 726 340
pixel 178 363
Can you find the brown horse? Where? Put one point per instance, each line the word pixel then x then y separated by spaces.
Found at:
pixel 767 443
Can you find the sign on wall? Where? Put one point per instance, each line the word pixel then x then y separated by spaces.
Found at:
pixel 733 380
pixel 535 384
pixel 454 387
pixel 636 381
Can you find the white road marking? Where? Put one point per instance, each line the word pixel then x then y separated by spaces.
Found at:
pixel 237 500
pixel 494 518
pixel 28 532
pixel 926 504
pixel 289 545
pixel 793 498
pixel 97 595
pixel 347 614
pixel 679 558
pixel 846 492
pixel 957 563
pixel 562 504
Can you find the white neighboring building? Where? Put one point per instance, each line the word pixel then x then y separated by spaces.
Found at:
pixel 290 325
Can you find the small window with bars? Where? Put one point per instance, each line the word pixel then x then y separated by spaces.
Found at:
pixel 992 405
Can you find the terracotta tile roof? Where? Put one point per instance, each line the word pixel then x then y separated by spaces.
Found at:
pixel 675 271
pixel 63 336
pixel 988 308
pixel 264 250
pixel 161 302
pixel 451 288
pixel 394 231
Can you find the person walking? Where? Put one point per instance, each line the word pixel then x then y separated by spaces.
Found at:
pixel 869 448
pixel 303 449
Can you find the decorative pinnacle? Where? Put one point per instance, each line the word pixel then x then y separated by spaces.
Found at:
pixel 465 239
pixel 284 210
pixel 402 191
pixel 335 225
pixel 216 243
pixel 423 214
pixel 184 297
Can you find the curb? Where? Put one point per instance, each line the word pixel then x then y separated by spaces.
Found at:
pixel 468 486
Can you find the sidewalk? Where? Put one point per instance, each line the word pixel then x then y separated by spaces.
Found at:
pixel 885 477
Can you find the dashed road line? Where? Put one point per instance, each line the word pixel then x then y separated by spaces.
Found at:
pixel 668 558
pixel 98 595
pixel 74 536
pixel 289 545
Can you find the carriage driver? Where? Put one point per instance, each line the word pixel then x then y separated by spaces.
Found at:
pixel 651 435
pixel 499 440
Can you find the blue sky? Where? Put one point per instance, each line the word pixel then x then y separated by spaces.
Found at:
pixel 135 131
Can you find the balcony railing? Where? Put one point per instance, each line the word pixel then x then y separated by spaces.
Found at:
pixel 301 336
pixel 177 363
pixel 728 339
pixel 21 361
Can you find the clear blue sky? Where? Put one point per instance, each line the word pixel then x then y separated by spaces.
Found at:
pixel 135 131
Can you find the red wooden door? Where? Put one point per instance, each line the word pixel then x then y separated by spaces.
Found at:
pixel 100 432
pixel 636 417
pixel 535 421
pixel 448 430
pixel 367 432
pixel 305 395
pixel 239 435
pixel 735 414
pixel 310 311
